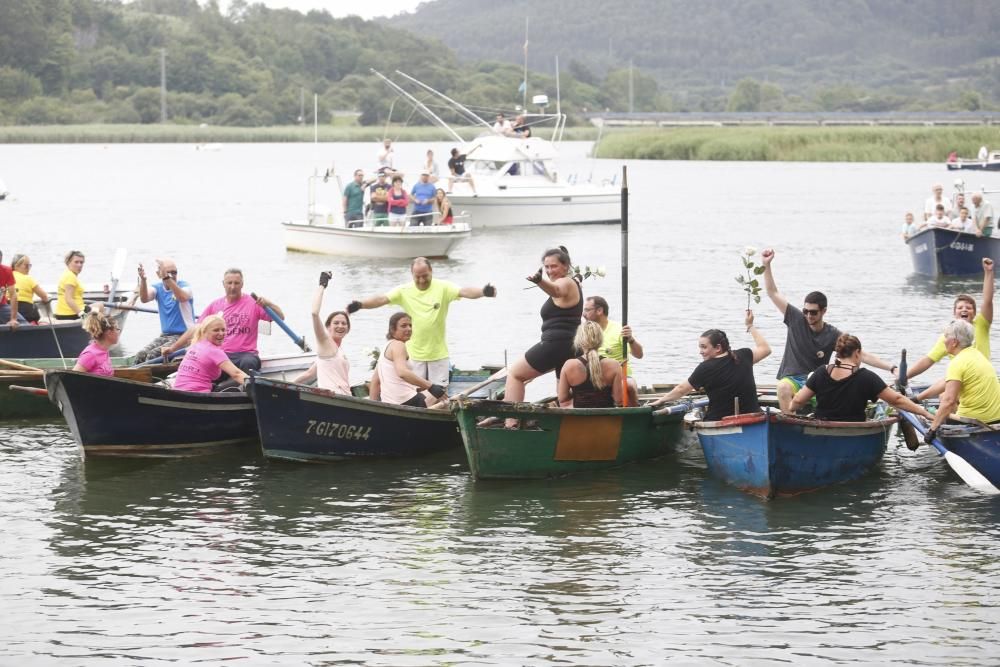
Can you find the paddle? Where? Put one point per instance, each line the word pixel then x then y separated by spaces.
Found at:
pixel 117 266
pixel 499 375
pixel 138 309
pixel 962 468
pixel 34 391
pixel 297 339
pixel 624 244
pixel 901 379
pixel 682 407
pixel 159 359
pixel 17 366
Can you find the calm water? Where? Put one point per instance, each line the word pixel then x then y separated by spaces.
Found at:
pixel 412 562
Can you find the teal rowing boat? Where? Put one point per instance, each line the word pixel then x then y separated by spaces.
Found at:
pixel 551 442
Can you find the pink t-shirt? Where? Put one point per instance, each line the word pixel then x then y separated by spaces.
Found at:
pixel 96 360
pixel 200 367
pixel 241 318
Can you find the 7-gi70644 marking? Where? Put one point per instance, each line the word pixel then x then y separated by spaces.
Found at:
pixel 335 430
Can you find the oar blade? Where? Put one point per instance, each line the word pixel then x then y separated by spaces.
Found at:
pixel 970 475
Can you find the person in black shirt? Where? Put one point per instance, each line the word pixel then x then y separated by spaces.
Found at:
pixel 456 165
pixel 726 375
pixel 843 389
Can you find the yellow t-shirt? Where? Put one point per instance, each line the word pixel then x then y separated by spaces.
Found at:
pixel 981 342
pixel 25 287
pixel 70 279
pixel 980 394
pixel 612 346
pixel 429 311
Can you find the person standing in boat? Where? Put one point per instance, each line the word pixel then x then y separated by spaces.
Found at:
pixel 378 196
pixel 104 332
pixel 331 368
pixel 431 167
pixel 456 165
pixel 423 201
pixel 971 387
pixel 595 309
pixel 982 213
pixel 206 360
pixel 726 375
pixel 397 201
pixel 590 380
pixel 964 308
pixel 27 289
pixel 426 301
pixel 174 303
pixel 354 200
pixel 386 158
pixel 809 341
pixel 843 389
pixel 242 313
pixel 393 381
pixel 69 305
pixel 936 199
pixel 443 208
pixel 561 315
pixel 8 297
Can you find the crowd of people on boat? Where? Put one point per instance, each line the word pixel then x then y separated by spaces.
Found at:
pixel 972 215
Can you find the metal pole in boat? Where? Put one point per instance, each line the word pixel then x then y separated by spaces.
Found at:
pixel 624 213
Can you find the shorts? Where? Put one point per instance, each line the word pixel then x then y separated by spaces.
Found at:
pixel 437 371
pixel 418 401
pixel 549 355
pixel 355 219
pixel 380 219
pixel 797 382
pixel 421 219
pixel 397 219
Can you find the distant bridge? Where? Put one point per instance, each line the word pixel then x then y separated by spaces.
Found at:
pixel 794 119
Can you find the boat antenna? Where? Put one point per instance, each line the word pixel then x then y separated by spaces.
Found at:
pixel 434 118
pixel 470 115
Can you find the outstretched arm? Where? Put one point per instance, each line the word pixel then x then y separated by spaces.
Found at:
pixel 949 402
pixel 370 302
pixel 876 362
pixel 916 369
pixel 682 389
pixel 761 348
pixel 487 290
pixel 634 346
pixel 776 297
pixel 897 400
pixel 988 279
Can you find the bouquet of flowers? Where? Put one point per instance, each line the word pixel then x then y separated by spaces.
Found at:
pixel 587 272
pixel 749 281
pixel 374 353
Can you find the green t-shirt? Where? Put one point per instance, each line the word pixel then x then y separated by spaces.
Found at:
pixel 612 346
pixel 981 342
pixel 355 198
pixel 429 311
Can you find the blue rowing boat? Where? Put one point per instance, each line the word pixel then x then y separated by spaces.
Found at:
pixel 771 454
pixel 939 252
pixel 972 450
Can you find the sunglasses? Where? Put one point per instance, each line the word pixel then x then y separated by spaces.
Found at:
pixel 810 311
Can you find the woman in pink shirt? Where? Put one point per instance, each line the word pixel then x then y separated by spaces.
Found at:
pixel 205 360
pixel 331 368
pixel 393 381
pixel 104 332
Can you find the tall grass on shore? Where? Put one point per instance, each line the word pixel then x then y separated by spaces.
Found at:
pixel 124 134
pixel 798 144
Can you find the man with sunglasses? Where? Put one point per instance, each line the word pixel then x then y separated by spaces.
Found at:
pixel 175 303
pixel 809 341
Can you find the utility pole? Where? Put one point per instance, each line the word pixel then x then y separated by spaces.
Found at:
pixel 163 85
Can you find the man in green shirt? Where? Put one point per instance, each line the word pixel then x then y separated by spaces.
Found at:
pixel 426 301
pixel 354 200
pixel 595 309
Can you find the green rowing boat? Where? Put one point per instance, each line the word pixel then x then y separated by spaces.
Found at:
pixel 559 441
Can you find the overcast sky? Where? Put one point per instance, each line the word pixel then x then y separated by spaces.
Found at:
pixel 338 8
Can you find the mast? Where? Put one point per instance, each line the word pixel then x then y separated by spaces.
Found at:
pixel 524 82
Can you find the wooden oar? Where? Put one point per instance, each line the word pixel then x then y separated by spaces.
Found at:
pixel 901 377
pixel 17 366
pixel 297 339
pixel 962 468
pixel 34 391
pixel 499 375
pixel 138 309
pixel 160 360
pixel 682 407
pixel 624 204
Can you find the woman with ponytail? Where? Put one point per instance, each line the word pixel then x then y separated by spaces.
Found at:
pixel 725 374
pixel 104 332
pixel 588 381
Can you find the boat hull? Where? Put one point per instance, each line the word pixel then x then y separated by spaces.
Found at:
pixel 975 166
pixel 389 242
pixel 514 209
pixel 305 424
pixel 564 441
pixel 31 340
pixel 980 447
pixel 938 252
pixel 770 454
pixel 116 417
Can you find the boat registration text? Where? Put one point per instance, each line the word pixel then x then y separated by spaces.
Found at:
pixel 335 430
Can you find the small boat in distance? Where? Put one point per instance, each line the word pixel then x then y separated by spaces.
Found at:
pixel 940 251
pixel 990 163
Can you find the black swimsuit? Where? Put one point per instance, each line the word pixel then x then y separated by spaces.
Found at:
pixel 585 395
pixel 559 326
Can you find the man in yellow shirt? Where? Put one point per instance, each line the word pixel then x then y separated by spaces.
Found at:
pixel 426 301
pixel 965 310
pixel 971 385
pixel 595 309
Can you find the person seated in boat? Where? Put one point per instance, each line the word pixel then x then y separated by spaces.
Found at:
pixel 956 207
pixel 964 222
pixel 590 380
pixel 69 305
pixel 397 201
pixel 174 303
pixel 725 375
pixel 27 289
pixel 353 200
pixel 423 201
pixel 972 391
pixel 964 308
pixel 242 314
pixel 937 197
pixel 442 206
pixel 809 340
pixel 331 368
pixel 939 219
pixel 104 332
pixel 843 389
pixel 393 381
pixel 909 226
pixel 431 167
pixel 378 197
pixel 426 301
pixel 206 360
pixel 456 165
pixel 982 213
pixel 953 156
pixel 596 309
pixel 386 157
pixel 521 129
pixel 9 314
pixel 984 153
pixel 502 125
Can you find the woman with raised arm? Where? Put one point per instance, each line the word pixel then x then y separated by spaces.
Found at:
pixel 589 380
pixel 330 370
pixel 726 375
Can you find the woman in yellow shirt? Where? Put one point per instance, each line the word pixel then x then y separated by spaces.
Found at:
pixel 70 303
pixel 27 289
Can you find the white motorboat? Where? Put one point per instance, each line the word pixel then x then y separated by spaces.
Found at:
pixel 327 233
pixel 516 179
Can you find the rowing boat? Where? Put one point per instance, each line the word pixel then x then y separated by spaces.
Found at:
pixel 559 441
pixel 965 447
pixel 62 338
pixel 771 454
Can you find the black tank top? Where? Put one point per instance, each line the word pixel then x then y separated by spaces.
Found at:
pixel 585 395
pixel 561 323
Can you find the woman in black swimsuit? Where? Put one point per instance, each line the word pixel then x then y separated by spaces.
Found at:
pixel 589 381
pixel 561 315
